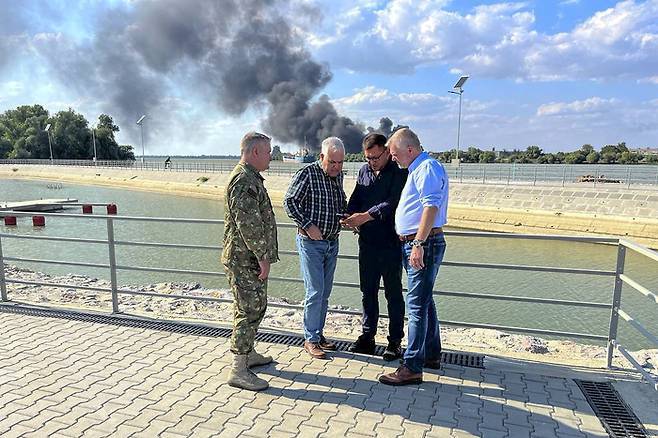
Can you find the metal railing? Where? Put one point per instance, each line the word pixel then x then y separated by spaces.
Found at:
pixel 612 175
pixel 113 266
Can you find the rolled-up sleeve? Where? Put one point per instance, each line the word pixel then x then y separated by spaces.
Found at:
pixel 294 197
pixel 431 186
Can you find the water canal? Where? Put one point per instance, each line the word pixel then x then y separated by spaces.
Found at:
pixel 464 249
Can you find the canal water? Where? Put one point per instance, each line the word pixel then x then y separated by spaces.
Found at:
pixel 463 249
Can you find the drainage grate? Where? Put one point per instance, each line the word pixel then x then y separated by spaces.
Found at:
pixel 463 359
pixel 452 358
pixel 617 418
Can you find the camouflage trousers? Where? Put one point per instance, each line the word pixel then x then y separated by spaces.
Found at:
pixel 249 305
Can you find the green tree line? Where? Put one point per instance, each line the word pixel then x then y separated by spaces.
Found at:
pixel 609 154
pixel 23 135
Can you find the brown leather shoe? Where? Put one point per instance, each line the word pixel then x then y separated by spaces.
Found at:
pixel 327 345
pixel 314 350
pixel 401 376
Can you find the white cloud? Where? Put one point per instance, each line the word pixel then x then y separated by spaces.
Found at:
pixel 553 125
pixel 372 95
pixel 498 40
pixel 587 106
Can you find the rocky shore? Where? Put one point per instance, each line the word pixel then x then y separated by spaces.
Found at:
pixel 340 326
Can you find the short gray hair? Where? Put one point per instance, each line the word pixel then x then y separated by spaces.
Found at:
pixel 405 137
pixel 251 140
pixel 333 144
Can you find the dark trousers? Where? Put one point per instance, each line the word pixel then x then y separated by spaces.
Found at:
pixel 375 263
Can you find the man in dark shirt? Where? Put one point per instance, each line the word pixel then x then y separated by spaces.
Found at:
pixel 372 213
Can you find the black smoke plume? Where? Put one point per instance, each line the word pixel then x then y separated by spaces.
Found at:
pixel 385 125
pixel 241 53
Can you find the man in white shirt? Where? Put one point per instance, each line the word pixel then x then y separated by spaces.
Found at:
pixel 419 218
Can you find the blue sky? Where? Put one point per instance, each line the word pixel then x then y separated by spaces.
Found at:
pixel 556 74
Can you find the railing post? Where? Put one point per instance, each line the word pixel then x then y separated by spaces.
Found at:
pixel 3 283
pixel 113 265
pixel 616 302
pixel 630 175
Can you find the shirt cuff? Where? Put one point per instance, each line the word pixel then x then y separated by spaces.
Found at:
pixel 431 202
pixel 375 212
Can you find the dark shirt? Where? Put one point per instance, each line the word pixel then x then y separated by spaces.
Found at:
pixel 315 198
pixel 379 196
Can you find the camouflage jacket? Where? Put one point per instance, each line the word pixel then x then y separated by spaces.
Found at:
pixel 249 222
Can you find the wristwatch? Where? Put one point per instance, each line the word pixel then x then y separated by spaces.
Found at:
pixel 417 242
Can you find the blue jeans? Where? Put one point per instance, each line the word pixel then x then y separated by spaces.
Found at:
pixel 317 259
pixel 424 337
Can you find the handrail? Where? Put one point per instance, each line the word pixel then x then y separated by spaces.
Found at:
pixel 621 278
pixel 639 327
pixel 57 262
pixel 340 256
pixel 638 287
pixel 641 249
pixel 647 376
pixel 530 174
pixel 617 311
pixel 332 310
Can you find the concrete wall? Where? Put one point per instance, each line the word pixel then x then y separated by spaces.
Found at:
pixel 601 210
pixel 605 209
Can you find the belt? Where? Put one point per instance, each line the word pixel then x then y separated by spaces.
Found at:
pixel 305 234
pixel 410 237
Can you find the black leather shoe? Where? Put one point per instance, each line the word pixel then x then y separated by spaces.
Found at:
pixel 393 351
pixel 327 345
pixel 364 345
pixel 434 364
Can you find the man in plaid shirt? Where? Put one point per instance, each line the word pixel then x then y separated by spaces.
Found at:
pixel 316 201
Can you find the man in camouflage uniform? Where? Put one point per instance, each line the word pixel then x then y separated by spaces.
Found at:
pixel 250 246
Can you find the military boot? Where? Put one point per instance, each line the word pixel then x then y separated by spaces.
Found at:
pixel 242 377
pixel 255 359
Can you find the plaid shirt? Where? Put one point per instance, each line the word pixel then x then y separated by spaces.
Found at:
pixel 314 198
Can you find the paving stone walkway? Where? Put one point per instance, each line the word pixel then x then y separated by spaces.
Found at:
pixel 61 378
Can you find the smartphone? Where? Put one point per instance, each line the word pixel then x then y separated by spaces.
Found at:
pixel 342 215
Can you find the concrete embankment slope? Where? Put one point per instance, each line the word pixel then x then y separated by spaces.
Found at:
pixel 575 209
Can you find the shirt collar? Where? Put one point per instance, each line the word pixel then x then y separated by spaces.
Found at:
pixel 419 159
pixel 252 170
pixel 319 164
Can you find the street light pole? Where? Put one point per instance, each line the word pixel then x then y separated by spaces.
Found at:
pixel 460 90
pixel 50 145
pixel 140 122
pixel 93 138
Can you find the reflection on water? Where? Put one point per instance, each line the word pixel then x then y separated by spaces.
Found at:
pixel 464 249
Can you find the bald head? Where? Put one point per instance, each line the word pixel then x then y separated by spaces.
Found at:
pixel 405 137
pixel 404 146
